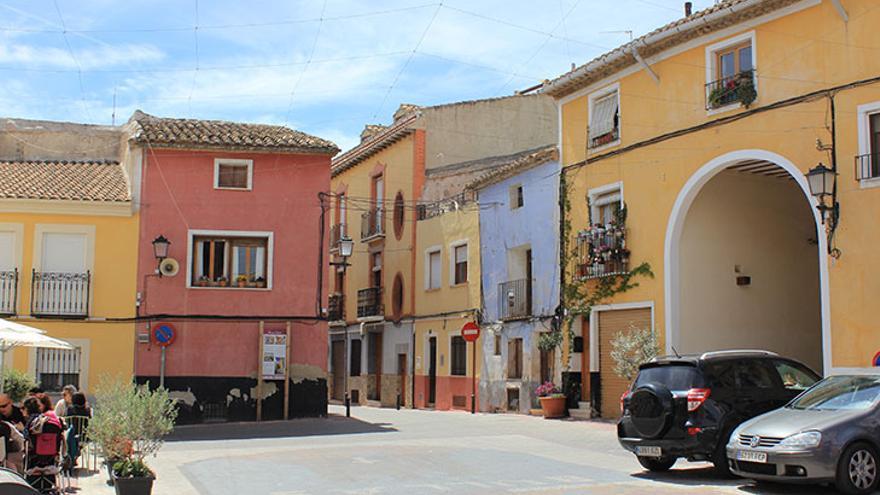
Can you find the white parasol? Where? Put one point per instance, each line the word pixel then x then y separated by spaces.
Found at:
pixel 17 335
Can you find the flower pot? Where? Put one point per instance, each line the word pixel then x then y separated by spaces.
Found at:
pixel 134 486
pixel 553 407
pixel 242 283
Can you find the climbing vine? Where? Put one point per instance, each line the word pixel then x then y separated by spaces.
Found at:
pixel 578 295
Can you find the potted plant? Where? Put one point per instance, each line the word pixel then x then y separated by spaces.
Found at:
pixel 261 282
pixel 223 282
pixel 203 281
pixel 242 280
pixel 129 424
pixel 552 400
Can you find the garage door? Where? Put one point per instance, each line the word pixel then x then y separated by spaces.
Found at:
pixel 612 386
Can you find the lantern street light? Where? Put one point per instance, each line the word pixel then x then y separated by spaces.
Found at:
pixel 346 247
pixel 160 250
pixel 823 185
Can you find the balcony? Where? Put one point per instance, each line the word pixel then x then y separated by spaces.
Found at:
pixel 336 307
pixel 373 224
pixel 337 232
pixel 57 294
pixel 732 90
pixel 602 252
pixel 370 303
pixel 868 166
pixel 8 292
pixel 515 299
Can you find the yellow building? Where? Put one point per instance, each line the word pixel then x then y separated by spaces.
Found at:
pixel 376 193
pixel 68 248
pixel 687 149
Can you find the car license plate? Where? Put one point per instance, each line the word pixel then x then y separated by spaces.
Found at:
pixel 750 456
pixel 648 452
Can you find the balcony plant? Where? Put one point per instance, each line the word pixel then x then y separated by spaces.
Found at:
pixel 203 281
pixel 223 282
pixel 552 400
pixel 260 282
pixel 739 88
pixel 129 425
pixel 241 280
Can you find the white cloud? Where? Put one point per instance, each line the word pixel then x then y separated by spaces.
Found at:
pixel 89 59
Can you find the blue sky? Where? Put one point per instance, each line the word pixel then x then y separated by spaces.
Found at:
pixel 326 68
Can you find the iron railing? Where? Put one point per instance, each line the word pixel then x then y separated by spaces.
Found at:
pixel 602 252
pixel 336 307
pixel 60 294
pixel 515 299
pixel 868 166
pixel 337 232
pixel 373 224
pixel 739 88
pixel 8 292
pixel 370 302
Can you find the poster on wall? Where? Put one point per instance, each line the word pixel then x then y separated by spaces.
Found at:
pixel 274 355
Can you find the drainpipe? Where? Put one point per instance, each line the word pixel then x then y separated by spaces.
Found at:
pixel 412 382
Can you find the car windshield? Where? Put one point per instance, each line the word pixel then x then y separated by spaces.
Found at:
pixel 675 377
pixel 840 393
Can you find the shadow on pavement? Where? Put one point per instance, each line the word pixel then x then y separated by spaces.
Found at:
pixel 305 427
pixel 706 476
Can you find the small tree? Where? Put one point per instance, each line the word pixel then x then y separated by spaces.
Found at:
pixel 129 424
pixel 630 349
pixel 17 383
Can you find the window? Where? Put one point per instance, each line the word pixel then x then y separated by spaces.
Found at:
pixel 376 269
pixel 61 284
pixel 516 197
pixel 497 345
pixel 733 60
pixel 460 264
pixel 868 161
pixel 605 203
pixel 547 357
pixel 604 118
pixel 56 368
pixel 233 174
pixel 355 360
pixel 221 261
pixel 514 358
pixel 794 377
pixel 433 269
pixel 458 355
pixel 730 67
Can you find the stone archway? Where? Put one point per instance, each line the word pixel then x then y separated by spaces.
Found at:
pixel 714 224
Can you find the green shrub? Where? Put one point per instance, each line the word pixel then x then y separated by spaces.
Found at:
pixel 630 349
pixel 17 383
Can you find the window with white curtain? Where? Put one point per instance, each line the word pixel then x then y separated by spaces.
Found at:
pixel 604 119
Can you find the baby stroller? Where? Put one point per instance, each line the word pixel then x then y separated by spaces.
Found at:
pixel 43 460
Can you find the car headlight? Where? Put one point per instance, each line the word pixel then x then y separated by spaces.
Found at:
pixel 802 440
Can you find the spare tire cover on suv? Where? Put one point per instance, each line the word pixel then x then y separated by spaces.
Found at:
pixel 651 409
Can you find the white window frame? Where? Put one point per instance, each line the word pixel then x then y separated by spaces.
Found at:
pixel 712 66
pixel 270 250
pixel 591 99
pixel 17 231
pixel 604 195
pixel 467 357
pixel 452 246
pixel 864 113
pixel 428 252
pixel 235 162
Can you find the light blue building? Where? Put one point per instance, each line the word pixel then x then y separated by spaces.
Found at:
pixel 519 237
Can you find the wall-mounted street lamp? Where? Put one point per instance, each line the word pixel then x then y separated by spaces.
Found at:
pixel 823 185
pixel 160 250
pixel 346 247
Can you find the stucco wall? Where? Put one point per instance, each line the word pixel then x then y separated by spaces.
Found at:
pixel 24 139
pixel 765 227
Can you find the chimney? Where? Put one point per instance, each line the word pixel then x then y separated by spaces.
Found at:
pixel 688 9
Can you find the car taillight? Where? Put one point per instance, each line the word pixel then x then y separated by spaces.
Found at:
pixel 696 397
pixel 623 398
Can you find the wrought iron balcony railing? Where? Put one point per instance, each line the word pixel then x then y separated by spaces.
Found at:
pixel 60 294
pixel 337 232
pixel 8 292
pixel 370 302
pixel 602 251
pixel 515 299
pixel 336 307
pixel 373 224
pixel 868 166
pixel 739 88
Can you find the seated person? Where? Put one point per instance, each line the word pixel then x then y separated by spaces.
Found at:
pixel 10 412
pixel 44 435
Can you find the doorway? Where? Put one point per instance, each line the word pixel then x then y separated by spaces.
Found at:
pixel 432 370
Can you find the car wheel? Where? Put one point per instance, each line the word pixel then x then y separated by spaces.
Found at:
pixel 657 465
pixel 719 457
pixel 857 469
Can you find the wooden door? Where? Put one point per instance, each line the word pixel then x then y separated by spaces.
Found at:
pixel 612 386
pixel 401 375
pixel 432 370
pixel 338 369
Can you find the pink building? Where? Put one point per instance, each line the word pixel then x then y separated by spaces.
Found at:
pixel 239 204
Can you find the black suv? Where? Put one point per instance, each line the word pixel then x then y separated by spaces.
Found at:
pixel 687 406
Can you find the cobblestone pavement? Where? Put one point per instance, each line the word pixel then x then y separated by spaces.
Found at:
pixel 380 451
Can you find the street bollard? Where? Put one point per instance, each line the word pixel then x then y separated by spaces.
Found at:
pixel 347 406
pixel 398 402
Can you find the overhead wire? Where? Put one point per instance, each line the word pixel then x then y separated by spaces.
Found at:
pixel 79 77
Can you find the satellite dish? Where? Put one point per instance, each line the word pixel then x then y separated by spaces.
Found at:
pixel 169 267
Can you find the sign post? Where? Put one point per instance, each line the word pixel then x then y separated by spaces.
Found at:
pixel 163 335
pixel 470 332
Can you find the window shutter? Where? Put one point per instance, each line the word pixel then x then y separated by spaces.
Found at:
pixel 435 270
pixel 602 119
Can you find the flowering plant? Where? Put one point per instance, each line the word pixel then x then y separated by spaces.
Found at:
pixel 548 389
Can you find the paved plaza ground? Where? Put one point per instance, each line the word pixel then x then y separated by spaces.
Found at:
pixel 380 451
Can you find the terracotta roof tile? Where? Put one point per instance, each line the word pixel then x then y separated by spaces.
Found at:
pixel 211 134
pixel 103 181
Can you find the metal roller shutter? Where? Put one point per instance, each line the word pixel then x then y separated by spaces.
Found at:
pixel 610 323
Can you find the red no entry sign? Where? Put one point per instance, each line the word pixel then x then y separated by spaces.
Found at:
pixel 470 331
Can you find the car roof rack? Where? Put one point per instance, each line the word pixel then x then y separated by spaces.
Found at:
pixel 737 352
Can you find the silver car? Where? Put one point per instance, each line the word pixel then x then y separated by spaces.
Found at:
pixel 829 433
